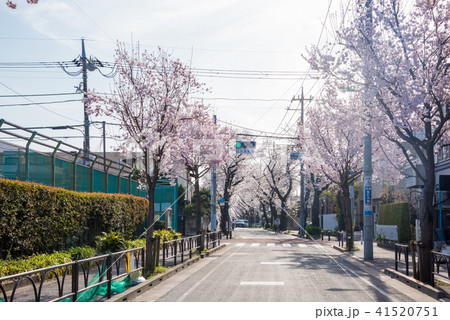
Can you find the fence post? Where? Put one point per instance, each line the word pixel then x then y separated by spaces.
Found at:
pixel 92 172
pixel 164 254
pixel 109 275
pixel 27 156
pixel 75 170
pixel 396 264
pixel 413 257
pixel 53 162
pixel 182 250
pixel 106 176
pixel 75 281
pixel 407 260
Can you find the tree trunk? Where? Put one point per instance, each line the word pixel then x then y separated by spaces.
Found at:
pixel 283 217
pixel 345 203
pixel 426 222
pixel 149 258
pixel 198 211
pixel 315 208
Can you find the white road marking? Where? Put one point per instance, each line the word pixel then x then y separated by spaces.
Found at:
pixel 262 283
pixel 279 262
pixel 255 245
pixel 240 244
pixel 302 245
pixel 370 284
pixel 317 246
pixel 287 245
pixel 271 244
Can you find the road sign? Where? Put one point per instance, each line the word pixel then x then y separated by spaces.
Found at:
pixel 296 155
pixel 245 146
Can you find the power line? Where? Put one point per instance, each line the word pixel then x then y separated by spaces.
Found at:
pixel 40 103
pixel 26 98
pixel 38 95
pixel 241 127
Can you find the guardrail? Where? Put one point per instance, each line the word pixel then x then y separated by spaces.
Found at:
pixel 180 248
pixel 399 249
pixel 439 259
pixel 213 239
pixel 74 281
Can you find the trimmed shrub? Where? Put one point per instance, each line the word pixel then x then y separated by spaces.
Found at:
pixel 397 214
pixel 80 253
pixel 41 219
pixel 313 230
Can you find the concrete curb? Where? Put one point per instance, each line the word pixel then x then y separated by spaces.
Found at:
pixel 148 284
pixel 416 284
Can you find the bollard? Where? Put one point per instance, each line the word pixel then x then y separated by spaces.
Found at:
pixel 329 235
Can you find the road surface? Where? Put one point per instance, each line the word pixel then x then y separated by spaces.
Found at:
pixel 260 266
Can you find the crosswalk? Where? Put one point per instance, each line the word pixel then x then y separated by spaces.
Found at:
pixel 284 245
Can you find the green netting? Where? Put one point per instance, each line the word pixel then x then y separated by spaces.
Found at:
pixel 76 176
pixel 98 292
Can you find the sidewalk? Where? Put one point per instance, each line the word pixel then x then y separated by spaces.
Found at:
pixel 384 261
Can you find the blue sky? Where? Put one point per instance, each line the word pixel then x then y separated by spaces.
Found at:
pixel 248 35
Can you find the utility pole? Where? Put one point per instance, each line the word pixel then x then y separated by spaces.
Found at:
pixel 86 64
pixel 104 146
pixel 368 215
pixel 213 192
pixel 302 211
pixel 87 147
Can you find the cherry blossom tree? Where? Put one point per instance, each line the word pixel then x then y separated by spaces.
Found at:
pixel 204 144
pixel 13 5
pixel 150 100
pixel 230 174
pixel 279 171
pixel 399 56
pixel 334 146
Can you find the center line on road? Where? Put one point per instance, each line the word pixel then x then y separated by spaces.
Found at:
pixel 262 283
pixel 240 244
pixel 271 244
pixel 279 262
pixel 287 245
pixel 302 245
pixel 255 245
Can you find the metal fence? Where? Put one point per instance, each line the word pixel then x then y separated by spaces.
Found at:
pixel 83 280
pixel 440 261
pixel 180 249
pixel 38 158
pixel 99 277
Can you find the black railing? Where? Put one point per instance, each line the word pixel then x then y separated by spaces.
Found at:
pixel 73 281
pixel 440 260
pixel 179 248
pixel 213 239
pixel 399 249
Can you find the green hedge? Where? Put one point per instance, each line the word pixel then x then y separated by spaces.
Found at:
pixel 41 219
pixel 397 214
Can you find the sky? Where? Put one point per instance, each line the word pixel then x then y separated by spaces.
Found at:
pixel 250 52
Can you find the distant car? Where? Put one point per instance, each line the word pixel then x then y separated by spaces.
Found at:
pixel 242 223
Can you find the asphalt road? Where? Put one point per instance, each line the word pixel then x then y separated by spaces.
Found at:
pixel 259 266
